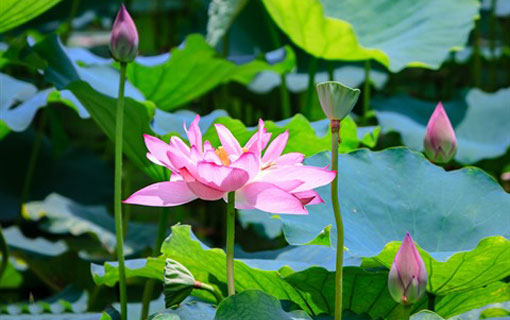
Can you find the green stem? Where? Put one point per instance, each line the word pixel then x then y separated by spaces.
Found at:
pixel 149 285
pixel 119 124
pixel 284 92
pixel 331 71
pixel 5 253
pixel 492 44
pixel 407 308
pixel 310 93
pixel 207 287
pixel 431 301
pixel 127 189
pixel 231 222
pixel 477 60
pixel 33 158
pixel 69 25
pixel 366 93
pixel 335 140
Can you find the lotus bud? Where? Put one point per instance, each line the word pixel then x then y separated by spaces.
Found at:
pixel 336 99
pixel 440 142
pixel 407 280
pixel 124 38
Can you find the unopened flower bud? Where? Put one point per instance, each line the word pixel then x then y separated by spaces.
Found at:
pixel 407 280
pixel 124 38
pixel 440 142
pixel 336 99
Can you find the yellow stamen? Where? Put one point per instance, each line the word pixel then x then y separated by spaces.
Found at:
pixel 222 154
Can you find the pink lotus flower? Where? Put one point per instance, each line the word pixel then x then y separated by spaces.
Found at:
pixel 440 142
pixel 124 37
pixel 270 182
pixel 407 280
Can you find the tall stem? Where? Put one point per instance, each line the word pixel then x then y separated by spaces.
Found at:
pixel 4 249
pixel 34 155
pixel 335 140
pixel 149 285
pixel 310 93
pixel 284 93
pixel 231 221
pixel 477 60
pixel 119 124
pixel 366 92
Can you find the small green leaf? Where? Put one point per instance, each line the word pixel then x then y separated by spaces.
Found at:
pixel 179 283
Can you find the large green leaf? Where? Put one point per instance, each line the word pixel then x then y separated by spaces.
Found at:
pixel 463 271
pixel 480 121
pixel 365 292
pixel 15 12
pixel 395 33
pixel 254 304
pixel 194 70
pixel 384 194
pixel 455 304
pixel 66 216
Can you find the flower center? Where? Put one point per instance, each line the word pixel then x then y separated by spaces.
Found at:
pixel 222 154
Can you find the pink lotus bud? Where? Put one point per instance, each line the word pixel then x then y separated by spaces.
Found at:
pixel 124 38
pixel 440 142
pixel 407 280
pixel 336 99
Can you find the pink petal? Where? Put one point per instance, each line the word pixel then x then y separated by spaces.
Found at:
pixel 199 189
pixel 258 140
pixel 208 146
pixel 162 194
pixel 290 158
pixel 267 197
pixel 157 150
pixel 228 141
pixel 211 156
pixel 276 147
pixel 312 177
pixel 248 162
pixel 309 197
pixel 222 178
pixel 194 134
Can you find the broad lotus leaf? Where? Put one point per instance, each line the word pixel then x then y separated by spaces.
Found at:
pixel 463 271
pixel 480 121
pixel 385 194
pixel 195 69
pixel 383 30
pixel 190 309
pixel 255 304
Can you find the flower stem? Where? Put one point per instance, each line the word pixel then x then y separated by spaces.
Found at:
pixel 285 97
pixel 5 253
pixel 335 140
pixel 207 287
pixel 407 308
pixel 366 93
pixel 231 221
pixel 149 285
pixel 119 124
